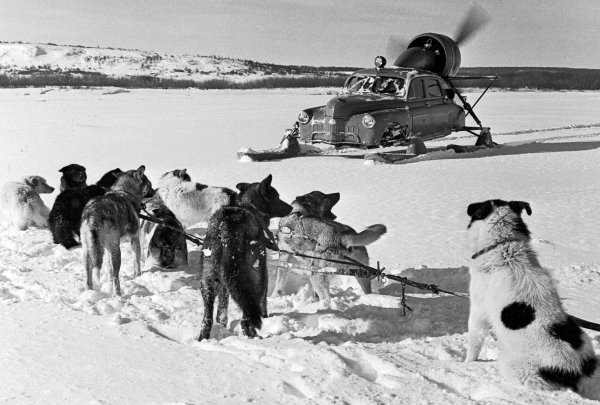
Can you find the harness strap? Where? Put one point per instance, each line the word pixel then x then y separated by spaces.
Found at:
pixel 492 247
pixel 151 218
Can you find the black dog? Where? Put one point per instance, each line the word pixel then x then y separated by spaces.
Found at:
pixel 65 215
pixel 109 178
pixel 74 177
pixel 237 238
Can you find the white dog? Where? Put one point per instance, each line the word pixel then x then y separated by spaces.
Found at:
pixel 192 203
pixel 540 345
pixel 20 202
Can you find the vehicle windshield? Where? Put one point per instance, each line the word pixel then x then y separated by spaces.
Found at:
pixel 374 84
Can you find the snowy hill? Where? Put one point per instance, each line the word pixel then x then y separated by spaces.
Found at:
pixel 24 58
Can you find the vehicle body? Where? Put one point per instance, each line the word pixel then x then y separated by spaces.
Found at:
pixel 384 106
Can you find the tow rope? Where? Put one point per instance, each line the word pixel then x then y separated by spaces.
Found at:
pixel 152 218
pixel 379 273
pixel 370 271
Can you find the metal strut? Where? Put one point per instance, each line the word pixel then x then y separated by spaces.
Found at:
pixel 466 105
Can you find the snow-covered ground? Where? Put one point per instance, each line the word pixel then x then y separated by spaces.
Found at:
pixel 62 344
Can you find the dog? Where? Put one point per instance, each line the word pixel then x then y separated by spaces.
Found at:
pixel 74 177
pixel 540 345
pixel 109 178
pixel 234 262
pixel 108 218
pixel 192 203
pixel 21 203
pixel 163 244
pixel 310 229
pixel 65 215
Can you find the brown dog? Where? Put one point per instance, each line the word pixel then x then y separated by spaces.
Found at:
pixel 107 219
pixel 310 229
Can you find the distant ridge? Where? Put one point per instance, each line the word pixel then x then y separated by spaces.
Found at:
pixel 46 59
pixel 37 64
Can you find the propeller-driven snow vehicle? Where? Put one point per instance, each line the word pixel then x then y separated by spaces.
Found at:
pixel 414 100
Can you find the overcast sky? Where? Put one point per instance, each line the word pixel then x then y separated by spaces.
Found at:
pixel 313 32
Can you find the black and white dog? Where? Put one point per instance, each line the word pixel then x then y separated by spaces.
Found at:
pixel 540 345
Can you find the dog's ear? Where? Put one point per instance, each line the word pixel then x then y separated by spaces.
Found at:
pixel 242 186
pixel 141 169
pixel 479 211
pixel 33 181
pixel 264 185
pixel 182 175
pixel 64 169
pixel 519 206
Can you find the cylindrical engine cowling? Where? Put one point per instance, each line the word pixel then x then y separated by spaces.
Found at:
pixel 437 53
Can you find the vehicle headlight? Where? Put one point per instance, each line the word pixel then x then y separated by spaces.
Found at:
pixel 303 117
pixel 368 121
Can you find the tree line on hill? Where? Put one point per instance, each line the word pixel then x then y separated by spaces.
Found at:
pixel 541 78
pixel 511 78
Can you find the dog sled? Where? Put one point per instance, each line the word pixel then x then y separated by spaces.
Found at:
pixel 289 147
pixel 307 265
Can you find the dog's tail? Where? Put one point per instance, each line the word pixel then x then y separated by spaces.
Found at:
pixel 364 238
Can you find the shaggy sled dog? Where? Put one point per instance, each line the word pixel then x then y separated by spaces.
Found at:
pixel 21 203
pixel 234 257
pixel 191 202
pixel 163 246
pixel 73 177
pixel 541 346
pixel 318 205
pixel 107 219
pixel 65 215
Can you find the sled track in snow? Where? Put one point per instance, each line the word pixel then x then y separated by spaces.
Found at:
pixel 533 131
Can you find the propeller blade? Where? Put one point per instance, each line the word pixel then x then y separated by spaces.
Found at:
pixel 395 46
pixel 475 19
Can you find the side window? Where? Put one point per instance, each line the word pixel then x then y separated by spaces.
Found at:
pixel 433 88
pixel 416 89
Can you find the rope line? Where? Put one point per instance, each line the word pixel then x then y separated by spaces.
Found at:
pixel 371 271
pixel 151 218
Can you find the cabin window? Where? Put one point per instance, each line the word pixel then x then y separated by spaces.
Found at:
pixel 389 85
pixel 433 88
pixel 416 89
